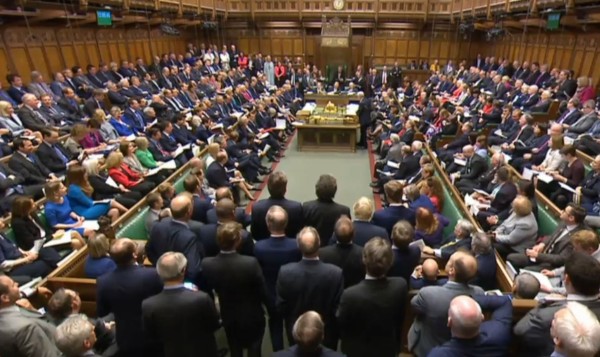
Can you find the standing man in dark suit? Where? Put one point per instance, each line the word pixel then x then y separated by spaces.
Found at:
pixel 431 304
pixel 323 212
pixel 364 117
pixel 364 229
pixel 272 253
pixel 122 291
pixel 277 186
pixel 388 216
pixel 344 253
pixel 310 285
pixel 308 335
pixel 371 314
pixel 178 321
pixel 553 251
pixel 174 235
pixel 240 285
pixel 200 204
pixel 471 334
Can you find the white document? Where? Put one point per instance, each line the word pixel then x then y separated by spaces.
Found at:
pixel 111 182
pixel 130 137
pixel 545 177
pixel 481 192
pixel 385 173
pixel 263 136
pixel 297 123
pixel 211 139
pixel 460 162
pixel 237 115
pixel 567 187
pixel 96 156
pixel 568 140
pixel 37 245
pixel 188 116
pixel 196 150
pixel 29 287
pixel 106 200
pixel 216 127
pixel 527 174
pixel 498 132
pixel 153 123
pixel 495 148
pixel 507 157
pixel 419 243
pixel 267 148
pixel 544 281
pixel 393 164
pixel 169 165
pixel 180 150
pixel 153 171
pixel 90 225
pixel 64 239
pixel 280 124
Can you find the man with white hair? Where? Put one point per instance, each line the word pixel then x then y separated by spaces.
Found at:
pixel 179 321
pixel 461 238
pixel 474 167
pixel 75 337
pixel 364 229
pixel 485 177
pixel 471 335
pixel 308 333
pixel 575 331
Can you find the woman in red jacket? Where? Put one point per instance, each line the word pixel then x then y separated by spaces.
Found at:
pixel 280 72
pixel 122 174
pixel 243 61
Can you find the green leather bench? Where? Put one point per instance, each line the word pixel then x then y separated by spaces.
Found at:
pixel 450 211
pixel 547 222
pixel 135 228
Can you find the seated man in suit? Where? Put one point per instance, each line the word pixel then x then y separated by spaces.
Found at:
pixel 308 332
pixel 207 233
pixel 13 184
pixel 310 285
pixel 426 274
pixel 31 116
pixel 174 235
pixel 28 165
pixel 371 314
pixel 240 285
pixel 585 122
pixel 344 253
pixel 69 105
pixel 575 331
pixel 364 229
pixel 396 211
pixel 122 291
pixel 459 239
pixel 582 282
pixel 323 212
pixel 179 321
pixel 55 115
pixel 272 253
pixel 431 304
pixel 471 334
pixel 277 186
pixel 475 166
pixel 55 157
pixel 553 251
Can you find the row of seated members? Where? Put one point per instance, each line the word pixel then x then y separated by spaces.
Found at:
pixel 162 319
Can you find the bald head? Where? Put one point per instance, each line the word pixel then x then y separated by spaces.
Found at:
pixel 308 242
pixel 430 269
pixel 277 219
pixel 344 230
pixel 464 317
pixel 123 251
pixel 461 267
pixel 223 192
pixel 308 331
pixel 556 129
pixel 181 208
pixel 225 210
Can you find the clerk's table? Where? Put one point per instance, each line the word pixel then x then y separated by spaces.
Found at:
pixel 327 128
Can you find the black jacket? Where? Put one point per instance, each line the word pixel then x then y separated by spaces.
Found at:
pixel 322 215
pixel 347 257
pixel 259 213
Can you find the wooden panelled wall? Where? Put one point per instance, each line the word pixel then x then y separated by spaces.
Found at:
pixel 49 50
pixel 382 47
pixel 577 51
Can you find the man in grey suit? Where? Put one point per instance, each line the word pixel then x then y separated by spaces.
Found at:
pixel 582 282
pixel 75 337
pixel 430 328
pixel 553 251
pixel 20 334
pixel 585 122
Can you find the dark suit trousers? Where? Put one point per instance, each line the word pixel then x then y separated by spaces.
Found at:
pixel 521 261
pixel 588 145
pixel 466 186
pixel 237 340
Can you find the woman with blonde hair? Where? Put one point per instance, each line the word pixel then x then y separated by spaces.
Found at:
pixel 585 90
pixel 432 188
pixel 128 149
pixel 59 213
pixel 122 174
pixel 97 177
pixel 73 142
pixel 107 131
pixel 80 192
pixel 553 159
pixel 12 124
pixel 98 261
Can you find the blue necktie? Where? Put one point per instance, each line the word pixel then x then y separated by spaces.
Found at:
pixel 140 119
pixel 60 154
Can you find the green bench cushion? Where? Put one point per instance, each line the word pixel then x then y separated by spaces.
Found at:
pixel 547 223
pixel 450 211
pixel 135 228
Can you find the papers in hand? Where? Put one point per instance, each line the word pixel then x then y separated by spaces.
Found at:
pixel 567 187
pixel 393 164
pixel 111 182
pixel 62 240
pixel 568 140
pixel 385 173
pixel 460 162
pixel 130 137
pixel 545 177
pixel 28 288
pixel 217 127
pixel 180 150
pixel 153 171
pixel 266 149
pixel 527 174
pixel 481 192
pixel 93 225
pixel 262 136
pixel 169 165
pixel 419 243
pixel 280 124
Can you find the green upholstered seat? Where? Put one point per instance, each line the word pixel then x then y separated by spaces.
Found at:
pixel 547 223
pixel 135 228
pixel 451 211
